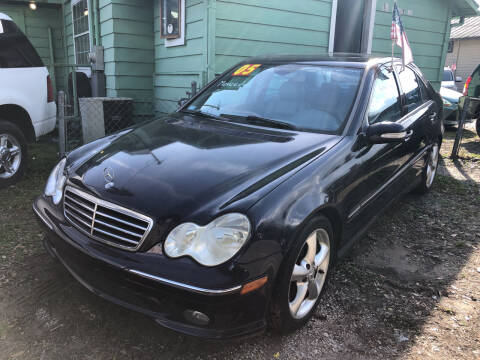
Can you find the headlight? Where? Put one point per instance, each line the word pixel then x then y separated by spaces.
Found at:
pixel 55 182
pixel 212 244
pixel 446 102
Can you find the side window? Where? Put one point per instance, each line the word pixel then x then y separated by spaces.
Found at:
pixel 15 49
pixel 423 89
pixel 384 102
pixel 410 87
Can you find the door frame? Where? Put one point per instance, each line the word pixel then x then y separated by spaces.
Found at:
pixel 368 26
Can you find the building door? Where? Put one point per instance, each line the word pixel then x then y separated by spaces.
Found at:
pixel 352 26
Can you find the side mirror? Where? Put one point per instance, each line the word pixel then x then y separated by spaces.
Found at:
pixel 458 79
pixel 387 132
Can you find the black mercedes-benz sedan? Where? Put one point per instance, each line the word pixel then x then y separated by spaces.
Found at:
pixel 227 214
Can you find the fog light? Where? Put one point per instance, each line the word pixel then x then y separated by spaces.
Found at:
pixel 196 317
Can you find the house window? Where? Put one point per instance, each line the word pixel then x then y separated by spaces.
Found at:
pixel 170 18
pixel 450 46
pixel 81 31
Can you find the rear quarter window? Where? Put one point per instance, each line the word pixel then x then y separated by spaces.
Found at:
pixel 15 49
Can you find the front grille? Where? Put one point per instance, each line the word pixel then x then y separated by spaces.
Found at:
pixel 104 221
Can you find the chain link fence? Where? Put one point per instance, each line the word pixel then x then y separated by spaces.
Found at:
pixel 82 118
pixel 97 117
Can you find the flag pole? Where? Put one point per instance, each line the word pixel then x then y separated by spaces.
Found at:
pixel 393 46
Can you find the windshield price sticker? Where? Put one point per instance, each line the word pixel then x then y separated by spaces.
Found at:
pixel 246 70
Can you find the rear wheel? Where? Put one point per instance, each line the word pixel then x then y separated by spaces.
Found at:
pixel 302 276
pixel 13 154
pixel 430 169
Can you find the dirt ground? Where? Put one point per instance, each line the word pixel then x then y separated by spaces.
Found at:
pixel 410 289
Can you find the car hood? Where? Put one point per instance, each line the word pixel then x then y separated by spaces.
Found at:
pixel 192 168
pixel 450 95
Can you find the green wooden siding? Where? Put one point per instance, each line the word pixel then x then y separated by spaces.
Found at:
pixel 127 35
pixel 249 27
pixel 427 29
pixel 35 25
pixel 176 67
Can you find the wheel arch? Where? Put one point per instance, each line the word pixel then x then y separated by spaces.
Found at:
pixel 17 115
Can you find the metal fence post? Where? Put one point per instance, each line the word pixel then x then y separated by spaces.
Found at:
pixel 61 122
pixel 459 135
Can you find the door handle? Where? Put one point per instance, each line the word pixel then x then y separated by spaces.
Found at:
pixel 408 135
pixel 433 116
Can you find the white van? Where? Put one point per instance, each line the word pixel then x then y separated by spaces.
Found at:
pixel 27 107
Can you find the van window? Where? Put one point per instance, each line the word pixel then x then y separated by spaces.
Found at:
pixel 447 75
pixel 15 49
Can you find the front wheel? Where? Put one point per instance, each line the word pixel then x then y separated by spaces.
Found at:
pixel 430 169
pixel 302 276
pixel 13 154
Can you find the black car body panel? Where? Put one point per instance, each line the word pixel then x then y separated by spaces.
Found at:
pixel 185 168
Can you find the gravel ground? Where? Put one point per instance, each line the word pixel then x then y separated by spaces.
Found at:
pixel 409 289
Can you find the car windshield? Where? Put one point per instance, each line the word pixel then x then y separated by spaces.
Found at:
pixel 447 75
pixel 290 96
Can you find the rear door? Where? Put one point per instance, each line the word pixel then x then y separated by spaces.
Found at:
pixel 419 117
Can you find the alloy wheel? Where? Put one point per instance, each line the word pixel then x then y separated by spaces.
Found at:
pixel 10 156
pixel 432 164
pixel 309 273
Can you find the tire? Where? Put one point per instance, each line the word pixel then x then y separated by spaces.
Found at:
pixel 478 126
pixel 13 152
pixel 430 170
pixel 283 317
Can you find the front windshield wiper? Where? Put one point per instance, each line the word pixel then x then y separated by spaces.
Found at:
pixel 258 120
pixel 203 114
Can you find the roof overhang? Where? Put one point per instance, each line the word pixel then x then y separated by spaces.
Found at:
pixel 465 8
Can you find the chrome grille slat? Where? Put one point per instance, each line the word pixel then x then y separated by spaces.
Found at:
pixel 79 211
pixel 117 228
pixel 76 218
pixel 121 221
pixel 78 203
pixel 115 236
pixel 103 222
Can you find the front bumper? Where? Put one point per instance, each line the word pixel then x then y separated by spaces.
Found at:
pixel 122 277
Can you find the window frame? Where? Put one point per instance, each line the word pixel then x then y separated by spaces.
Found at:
pixel 174 41
pixel 399 93
pixel 403 95
pixel 180 15
pixel 86 70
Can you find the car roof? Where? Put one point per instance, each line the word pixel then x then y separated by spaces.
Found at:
pixel 356 60
pixel 5 17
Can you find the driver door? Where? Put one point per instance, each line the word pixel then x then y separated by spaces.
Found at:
pixel 379 164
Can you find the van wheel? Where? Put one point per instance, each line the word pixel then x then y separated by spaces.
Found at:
pixel 13 154
pixel 302 276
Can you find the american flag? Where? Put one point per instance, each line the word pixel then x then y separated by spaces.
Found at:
pixel 399 36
